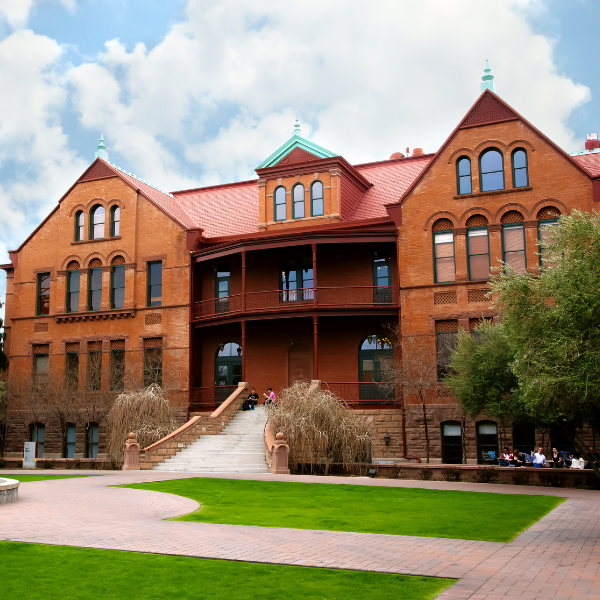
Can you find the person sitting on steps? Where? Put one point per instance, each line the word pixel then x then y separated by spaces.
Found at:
pixel 270 397
pixel 252 399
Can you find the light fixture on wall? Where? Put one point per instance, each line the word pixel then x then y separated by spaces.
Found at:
pixel 371 339
pixel 221 347
pixel 387 437
pixel 292 344
pixel 239 350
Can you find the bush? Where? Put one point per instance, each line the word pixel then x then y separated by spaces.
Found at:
pixel 452 474
pixel 553 479
pixel 486 475
pixel 520 477
pixel 47 464
pixel 426 474
pixel 396 472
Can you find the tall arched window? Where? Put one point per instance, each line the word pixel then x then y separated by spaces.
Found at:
pixel 443 251
pixel 115 221
pixel 520 171
pixel 117 282
pixel 547 219
pixel 280 204
pixel 79 226
pixel 228 364
pixel 491 170
pixel 452 451
pixel 95 285
pixel 376 365
pixel 513 241
pixel 97 216
pixel 298 201
pixel 317 208
pixel 478 248
pixel 73 286
pixel 463 175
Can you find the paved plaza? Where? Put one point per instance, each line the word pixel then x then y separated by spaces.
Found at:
pixel 557 558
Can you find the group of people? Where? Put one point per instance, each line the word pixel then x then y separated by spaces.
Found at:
pixel 538 460
pixel 252 401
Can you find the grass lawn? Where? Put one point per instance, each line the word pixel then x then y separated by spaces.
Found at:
pixel 359 508
pixel 37 571
pixel 27 478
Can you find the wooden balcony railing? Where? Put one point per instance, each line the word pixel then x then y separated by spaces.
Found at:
pixel 207 398
pixel 363 392
pixel 299 299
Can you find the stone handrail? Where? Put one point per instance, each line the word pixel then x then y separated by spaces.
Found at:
pixel 276 450
pixel 190 431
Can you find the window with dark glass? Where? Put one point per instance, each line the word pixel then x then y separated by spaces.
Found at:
pixel 544 229
pixel 280 204
pixel 296 279
pixel 223 289
pixel 463 175
pixel 153 361
pixel 95 291
pixel 376 369
pixel 155 283
pixel 228 366
pixel 452 450
pixel 491 169
pixel 37 433
pixel 513 245
pixel 79 226
pixel 92 436
pixel 117 291
pixel 43 295
pixel 478 249
pixel 446 341
pixel 71 438
pixel 317 208
pixel 298 201
pixel 97 217
pixel 41 361
pixel 117 365
pixel 115 221
pixel 73 290
pixel 443 251
pixel 519 168
pixel 94 366
pixel 487 442
pixel 72 370
pixel 382 278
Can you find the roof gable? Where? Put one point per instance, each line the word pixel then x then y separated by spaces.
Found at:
pixel 97 170
pixel 296 142
pixel 488 110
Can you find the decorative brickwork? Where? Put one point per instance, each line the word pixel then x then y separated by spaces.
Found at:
pixel 512 216
pixel 478 295
pixel 94 346
pixel 548 212
pixel 152 319
pixel 95 263
pixel 41 349
pixel 72 347
pixel 97 171
pixel 443 225
pixel 446 325
pixel 73 266
pixel 117 345
pixel 40 327
pixel 153 342
pixel 477 221
pixel 488 110
pixel 118 260
pixel 444 297
pixel 474 323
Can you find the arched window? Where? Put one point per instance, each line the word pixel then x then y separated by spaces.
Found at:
pixel 79 226
pixel 70 438
pixel 97 216
pixel 463 175
pixel 95 285
pixel 73 286
pixel 298 201
pixel 513 241
pixel 452 451
pixel 376 366
pixel 443 251
pixel 520 170
pixel 547 219
pixel 317 208
pixel 117 282
pixel 91 440
pixel 228 365
pixel 478 248
pixel 491 171
pixel 280 204
pixel 37 433
pixel 487 442
pixel 115 221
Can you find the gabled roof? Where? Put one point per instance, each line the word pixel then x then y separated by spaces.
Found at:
pixel 589 160
pixel 488 109
pixel 294 142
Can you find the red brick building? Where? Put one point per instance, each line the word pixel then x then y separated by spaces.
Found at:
pixel 299 274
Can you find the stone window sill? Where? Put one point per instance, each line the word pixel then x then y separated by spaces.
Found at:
pixel 105 239
pixel 494 193
pixel 95 315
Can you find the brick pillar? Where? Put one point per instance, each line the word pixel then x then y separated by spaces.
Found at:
pixel 531 247
pixel 315 347
pixel 262 204
pixel 460 254
pixel 129 301
pixel 83 289
pixel 58 295
pixel 105 304
pixel 334 193
pixel 495 232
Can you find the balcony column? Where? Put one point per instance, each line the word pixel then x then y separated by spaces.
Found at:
pixel 315 347
pixel 243 323
pixel 314 267
pixel 243 290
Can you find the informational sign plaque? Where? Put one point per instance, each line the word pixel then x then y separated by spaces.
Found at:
pixel 29 453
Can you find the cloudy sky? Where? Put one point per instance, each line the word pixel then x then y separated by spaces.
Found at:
pixel 198 92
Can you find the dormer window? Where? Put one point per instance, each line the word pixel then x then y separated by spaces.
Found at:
pixel 298 201
pixel 280 207
pixel 316 199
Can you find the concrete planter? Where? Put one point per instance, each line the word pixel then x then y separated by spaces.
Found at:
pixel 9 490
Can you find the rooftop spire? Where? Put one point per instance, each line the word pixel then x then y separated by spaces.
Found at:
pixel 487 81
pixel 101 152
pixel 297 127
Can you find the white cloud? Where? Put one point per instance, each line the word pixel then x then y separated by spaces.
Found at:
pixel 16 12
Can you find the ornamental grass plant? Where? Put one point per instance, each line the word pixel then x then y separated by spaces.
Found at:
pixel 320 429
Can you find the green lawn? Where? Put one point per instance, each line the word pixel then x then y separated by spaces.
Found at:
pixel 27 477
pixel 359 508
pixel 37 571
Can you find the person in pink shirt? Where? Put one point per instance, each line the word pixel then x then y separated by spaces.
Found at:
pixel 270 397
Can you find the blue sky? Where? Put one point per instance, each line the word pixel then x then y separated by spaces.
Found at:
pixel 198 92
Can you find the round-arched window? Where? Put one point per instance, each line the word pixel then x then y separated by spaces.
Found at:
pixel 115 221
pixel 491 166
pixel 376 369
pixel 79 226
pixel 97 222
pixel 228 364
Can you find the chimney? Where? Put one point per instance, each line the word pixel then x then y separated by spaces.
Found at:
pixel 591 141
pixel 417 151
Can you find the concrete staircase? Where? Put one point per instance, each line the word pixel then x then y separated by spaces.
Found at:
pixel 239 448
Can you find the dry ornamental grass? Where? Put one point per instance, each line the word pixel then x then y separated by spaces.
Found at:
pixel 320 429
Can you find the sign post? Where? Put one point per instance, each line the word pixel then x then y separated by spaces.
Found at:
pixel 29 455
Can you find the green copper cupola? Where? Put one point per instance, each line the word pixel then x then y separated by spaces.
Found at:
pixel 101 152
pixel 487 81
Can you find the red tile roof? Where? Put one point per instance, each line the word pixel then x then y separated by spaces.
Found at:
pixel 590 162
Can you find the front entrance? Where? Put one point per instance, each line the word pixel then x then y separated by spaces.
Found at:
pixel 300 363
pixel 228 364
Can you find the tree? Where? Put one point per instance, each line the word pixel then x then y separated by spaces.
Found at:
pixel 3 357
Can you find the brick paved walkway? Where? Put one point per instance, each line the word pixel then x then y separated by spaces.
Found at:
pixel 558 558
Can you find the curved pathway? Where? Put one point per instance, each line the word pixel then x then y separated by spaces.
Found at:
pixel 557 558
